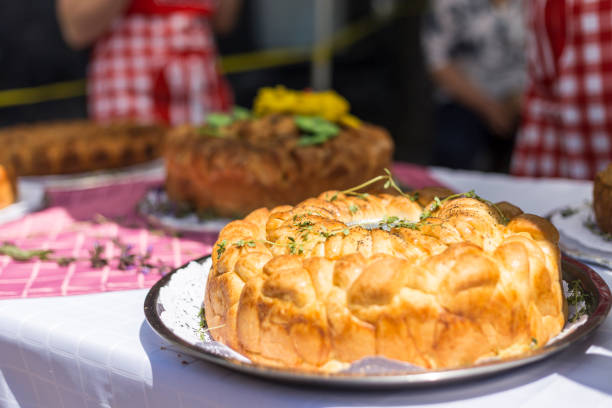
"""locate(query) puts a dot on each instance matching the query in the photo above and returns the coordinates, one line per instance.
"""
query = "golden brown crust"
(258, 163)
(8, 186)
(65, 147)
(308, 287)
(602, 199)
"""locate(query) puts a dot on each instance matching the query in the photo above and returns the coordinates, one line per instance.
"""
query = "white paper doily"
(579, 235)
(577, 223)
(154, 204)
(182, 298)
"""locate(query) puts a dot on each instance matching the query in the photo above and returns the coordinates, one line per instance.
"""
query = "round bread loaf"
(65, 147)
(259, 162)
(602, 199)
(338, 278)
(8, 186)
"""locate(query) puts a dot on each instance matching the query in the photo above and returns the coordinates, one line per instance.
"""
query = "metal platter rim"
(410, 379)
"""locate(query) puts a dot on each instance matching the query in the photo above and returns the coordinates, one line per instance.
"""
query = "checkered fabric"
(567, 128)
(157, 68)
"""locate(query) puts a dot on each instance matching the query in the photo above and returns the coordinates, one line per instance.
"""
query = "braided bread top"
(338, 278)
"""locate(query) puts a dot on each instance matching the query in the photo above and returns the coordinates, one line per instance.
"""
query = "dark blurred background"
(380, 72)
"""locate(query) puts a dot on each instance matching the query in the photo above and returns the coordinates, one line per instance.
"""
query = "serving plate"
(31, 197)
(579, 236)
(152, 170)
(159, 210)
(573, 270)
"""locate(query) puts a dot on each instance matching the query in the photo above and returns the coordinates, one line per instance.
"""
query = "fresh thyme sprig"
(389, 183)
(242, 243)
(427, 212)
(579, 298)
(294, 245)
(24, 255)
(126, 260)
(305, 228)
(396, 222)
(221, 248)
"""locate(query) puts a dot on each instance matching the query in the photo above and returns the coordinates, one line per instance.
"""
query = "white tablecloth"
(98, 351)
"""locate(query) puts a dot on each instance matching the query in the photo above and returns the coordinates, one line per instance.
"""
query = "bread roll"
(309, 287)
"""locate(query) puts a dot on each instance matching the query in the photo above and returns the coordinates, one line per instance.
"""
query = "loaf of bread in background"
(8, 186)
(65, 147)
(259, 162)
(602, 199)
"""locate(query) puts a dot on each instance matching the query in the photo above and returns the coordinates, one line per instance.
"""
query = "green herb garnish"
(568, 212)
(242, 243)
(221, 248)
(203, 324)
(427, 212)
(590, 224)
(578, 297)
(393, 221)
(126, 260)
(24, 255)
(315, 130)
(218, 120)
(240, 113)
(294, 247)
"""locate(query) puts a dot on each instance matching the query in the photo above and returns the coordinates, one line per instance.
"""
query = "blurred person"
(475, 52)
(152, 60)
(567, 127)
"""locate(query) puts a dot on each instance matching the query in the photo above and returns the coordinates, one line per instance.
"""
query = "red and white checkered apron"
(567, 127)
(157, 66)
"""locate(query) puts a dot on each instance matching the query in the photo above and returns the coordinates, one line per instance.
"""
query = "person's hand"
(500, 118)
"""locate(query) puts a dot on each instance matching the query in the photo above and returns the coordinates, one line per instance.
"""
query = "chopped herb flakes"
(590, 224)
(242, 243)
(568, 212)
(579, 299)
(221, 247)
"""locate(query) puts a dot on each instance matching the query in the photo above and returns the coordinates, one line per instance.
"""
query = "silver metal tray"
(572, 270)
(157, 208)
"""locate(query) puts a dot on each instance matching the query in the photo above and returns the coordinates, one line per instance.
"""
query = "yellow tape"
(50, 92)
(230, 64)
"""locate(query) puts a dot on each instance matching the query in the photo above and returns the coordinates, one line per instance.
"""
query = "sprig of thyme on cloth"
(126, 260)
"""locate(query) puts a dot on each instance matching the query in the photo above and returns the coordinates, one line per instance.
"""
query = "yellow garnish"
(350, 121)
(326, 104)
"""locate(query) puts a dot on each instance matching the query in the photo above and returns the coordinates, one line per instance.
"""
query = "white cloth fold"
(98, 351)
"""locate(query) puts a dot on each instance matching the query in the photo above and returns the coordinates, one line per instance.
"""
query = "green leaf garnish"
(221, 248)
(578, 297)
(312, 140)
(218, 120)
(315, 130)
(24, 255)
(242, 243)
(240, 113)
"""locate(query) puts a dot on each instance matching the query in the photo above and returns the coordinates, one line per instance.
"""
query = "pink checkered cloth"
(80, 220)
